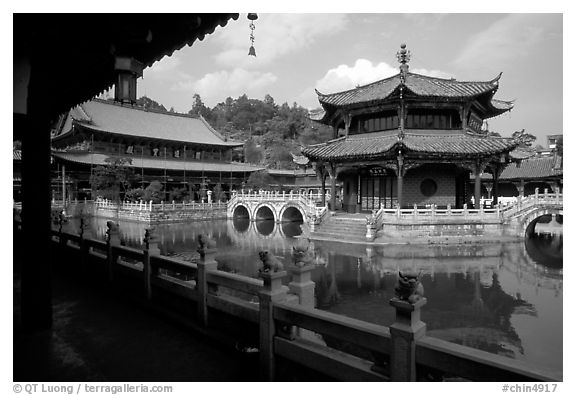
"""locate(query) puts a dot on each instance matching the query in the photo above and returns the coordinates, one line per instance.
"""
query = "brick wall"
(445, 179)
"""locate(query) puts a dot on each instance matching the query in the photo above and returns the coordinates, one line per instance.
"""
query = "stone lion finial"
(205, 244)
(409, 287)
(270, 263)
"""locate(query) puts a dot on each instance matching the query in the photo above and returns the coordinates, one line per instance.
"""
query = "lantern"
(128, 70)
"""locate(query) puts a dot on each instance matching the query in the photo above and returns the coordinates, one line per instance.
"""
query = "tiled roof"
(108, 117)
(537, 167)
(373, 145)
(150, 163)
(418, 84)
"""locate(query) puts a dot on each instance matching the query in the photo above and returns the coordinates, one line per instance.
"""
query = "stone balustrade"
(285, 314)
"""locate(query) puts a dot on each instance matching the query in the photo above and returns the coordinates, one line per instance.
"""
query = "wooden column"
(321, 170)
(36, 262)
(400, 179)
(332, 173)
(495, 179)
(477, 185)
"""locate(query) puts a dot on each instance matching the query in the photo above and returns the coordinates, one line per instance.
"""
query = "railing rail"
(281, 309)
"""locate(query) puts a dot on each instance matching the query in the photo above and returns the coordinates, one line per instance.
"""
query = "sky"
(298, 53)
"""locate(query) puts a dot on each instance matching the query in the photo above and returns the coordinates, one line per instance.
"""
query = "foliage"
(148, 103)
(219, 194)
(560, 146)
(134, 195)
(525, 139)
(259, 180)
(154, 192)
(113, 179)
(179, 194)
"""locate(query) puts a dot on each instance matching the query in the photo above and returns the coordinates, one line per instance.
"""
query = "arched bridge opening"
(241, 212)
(263, 213)
(291, 214)
(543, 222)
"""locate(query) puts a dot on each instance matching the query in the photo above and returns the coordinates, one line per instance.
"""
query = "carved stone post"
(273, 291)
(206, 264)
(407, 328)
(150, 249)
(302, 284)
(112, 240)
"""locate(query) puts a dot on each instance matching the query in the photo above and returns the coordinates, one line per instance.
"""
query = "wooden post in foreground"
(205, 265)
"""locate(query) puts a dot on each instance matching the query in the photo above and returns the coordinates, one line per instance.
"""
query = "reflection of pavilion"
(467, 303)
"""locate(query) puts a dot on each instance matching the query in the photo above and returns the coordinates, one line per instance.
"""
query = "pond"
(504, 298)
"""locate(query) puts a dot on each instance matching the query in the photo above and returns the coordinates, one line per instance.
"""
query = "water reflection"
(504, 298)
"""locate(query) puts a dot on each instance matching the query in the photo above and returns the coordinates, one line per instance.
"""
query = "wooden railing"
(288, 322)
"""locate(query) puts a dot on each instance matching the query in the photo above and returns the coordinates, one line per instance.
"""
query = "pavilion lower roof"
(95, 159)
(385, 144)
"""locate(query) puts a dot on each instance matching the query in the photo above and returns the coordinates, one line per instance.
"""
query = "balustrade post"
(433, 208)
(302, 284)
(406, 329)
(415, 210)
(545, 193)
(272, 292)
(112, 240)
(150, 206)
(449, 210)
(173, 205)
(205, 264)
(536, 191)
(557, 199)
(150, 249)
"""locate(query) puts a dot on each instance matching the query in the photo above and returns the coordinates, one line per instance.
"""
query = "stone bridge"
(280, 207)
(521, 217)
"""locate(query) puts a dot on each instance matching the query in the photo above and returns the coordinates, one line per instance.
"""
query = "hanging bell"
(252, 16)
(251, 51)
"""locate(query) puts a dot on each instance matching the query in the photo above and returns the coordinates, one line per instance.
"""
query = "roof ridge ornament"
(403, 57)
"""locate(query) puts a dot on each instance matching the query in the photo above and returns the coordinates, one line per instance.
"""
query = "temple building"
(176, 149)
(411, 140)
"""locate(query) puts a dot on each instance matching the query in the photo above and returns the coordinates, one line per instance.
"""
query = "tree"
(219, 194)
(148, 103)
(252, 153)
(113, 179)
(259, 180)
(154, 192)
(560, 146)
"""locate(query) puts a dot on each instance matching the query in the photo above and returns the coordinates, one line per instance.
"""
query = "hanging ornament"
(252, 17)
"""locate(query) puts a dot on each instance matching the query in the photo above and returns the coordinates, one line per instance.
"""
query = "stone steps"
(342, 228)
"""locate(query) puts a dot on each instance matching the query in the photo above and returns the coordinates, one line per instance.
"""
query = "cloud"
(275, 35)
(432, 73)
(214, 87)
(344, 77)
(508, 38)
(363, 72)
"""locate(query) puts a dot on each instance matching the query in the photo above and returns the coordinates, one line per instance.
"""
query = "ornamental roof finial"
(403, 58)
